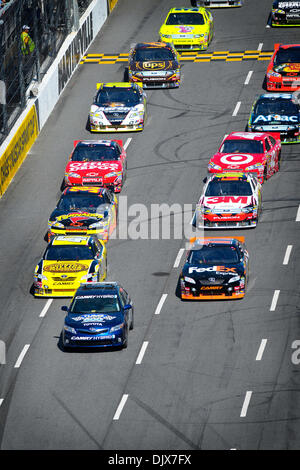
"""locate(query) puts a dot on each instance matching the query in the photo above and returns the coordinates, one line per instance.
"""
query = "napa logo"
(275, 117)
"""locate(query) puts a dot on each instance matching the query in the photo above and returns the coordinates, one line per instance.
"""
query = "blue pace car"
(100, 315)
(277, 113)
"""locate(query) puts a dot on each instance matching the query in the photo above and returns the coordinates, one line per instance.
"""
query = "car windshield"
(242, 146)
(228, 188)
(214, 254)
(80, 202)
(153, 53)
(68, 252)
(117, 96)
(95, 304)
(95, 153)
(286, 56)
(283, 107)
(185, 19)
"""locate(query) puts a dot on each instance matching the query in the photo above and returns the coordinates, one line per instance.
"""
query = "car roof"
(273, 96)
(183, 9)
(92, 288)
(229, 176)
(146, 45)
(74, 240)
(245, 135)
(208, 241)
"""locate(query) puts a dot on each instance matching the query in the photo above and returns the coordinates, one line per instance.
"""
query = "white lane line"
(260, 46)
(178, 258)
(127, 142)
(21, 356)
(261, 349)
(1, 401)
(287, 254)
(142, 352)
(248, 78)
(46, 308)
(298, 215)
(120, 407)
(246, 404)
(160, 304)
(236, 109)
(274, 300)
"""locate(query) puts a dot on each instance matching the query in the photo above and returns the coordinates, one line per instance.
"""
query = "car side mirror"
(127, 307)
(105, 214)
(64, 308)
(205, 179)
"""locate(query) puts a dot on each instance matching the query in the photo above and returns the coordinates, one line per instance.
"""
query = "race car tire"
(126, 75)
(279, 161)
(132, 322)
(125, 342)
(265, 177)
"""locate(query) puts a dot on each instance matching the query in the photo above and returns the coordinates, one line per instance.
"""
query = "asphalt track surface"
(212, 375)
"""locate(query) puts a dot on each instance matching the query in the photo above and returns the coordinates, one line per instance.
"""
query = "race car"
(215, 268)
(285, 13)
(283, 72)
(97, 162)
(66, 263)
(229, 200)
(254, 152)
(216, 3)
(188, 28)
(118, 107)
(100, 315)
(279, 113)
(83, 210)
(155, 64)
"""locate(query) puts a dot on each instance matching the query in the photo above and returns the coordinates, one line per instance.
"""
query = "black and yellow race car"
(285, 13)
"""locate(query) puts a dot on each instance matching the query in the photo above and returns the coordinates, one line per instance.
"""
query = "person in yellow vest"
(27, 44)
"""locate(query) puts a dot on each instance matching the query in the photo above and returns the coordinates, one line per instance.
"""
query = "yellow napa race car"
(188, 28)
(68, 262)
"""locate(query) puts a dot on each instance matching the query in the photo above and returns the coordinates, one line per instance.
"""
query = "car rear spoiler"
(240, 239)
(119, 141)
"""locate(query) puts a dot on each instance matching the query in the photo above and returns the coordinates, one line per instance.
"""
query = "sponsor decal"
(92, 318)
(65, 267)
(219, 269)
(291, 68)
(227, 199)
(288, 4)
(237, 159)
(211, 287)
(153, 65)
(74, 166)
(275, 117)
(185, 29)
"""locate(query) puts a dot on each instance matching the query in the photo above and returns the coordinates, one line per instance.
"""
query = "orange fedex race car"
(283, 72)
(255, 152)
(215, 268)
(97, 163)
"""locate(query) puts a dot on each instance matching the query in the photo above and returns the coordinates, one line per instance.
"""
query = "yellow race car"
(188, 28)
(67, 262)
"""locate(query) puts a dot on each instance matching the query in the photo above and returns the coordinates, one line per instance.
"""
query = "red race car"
(255, 152)
(97, 163)
(283, 72)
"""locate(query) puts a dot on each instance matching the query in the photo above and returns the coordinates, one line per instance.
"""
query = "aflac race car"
(97, 163)
(66, 263)
(256, 152)
(285, 13)
(229, 200)
(215, 268)
(279, 113)
(118, 107)
(84, 211)
(188, 28)
(283, 72)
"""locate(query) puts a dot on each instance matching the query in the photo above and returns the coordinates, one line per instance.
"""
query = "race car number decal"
(236, 159)
(73, 166)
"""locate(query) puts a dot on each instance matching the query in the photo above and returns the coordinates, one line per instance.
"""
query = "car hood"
(154, 65)
(234, 161)
(184, 29)
(78, 218)
(289, 69)
(226, 202)
(98, 320)
(93, 169)
(215, 271)
(271, 119)
(60, 268)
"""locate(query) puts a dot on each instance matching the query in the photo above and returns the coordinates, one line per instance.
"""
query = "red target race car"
(97, 163)
(255, 152)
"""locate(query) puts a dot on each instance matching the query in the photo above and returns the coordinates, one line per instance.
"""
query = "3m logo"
(227, 199)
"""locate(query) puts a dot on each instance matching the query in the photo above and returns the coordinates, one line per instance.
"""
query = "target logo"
(240, 159)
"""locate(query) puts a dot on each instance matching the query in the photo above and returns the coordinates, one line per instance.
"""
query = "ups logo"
(153, 65)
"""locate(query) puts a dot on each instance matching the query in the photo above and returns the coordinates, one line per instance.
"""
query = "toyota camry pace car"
(97, 163)
(215, 268)
(216, 3)
(83, 210)
(188, 28)
(118, 107)
(155, 64)
(285, 13)
(66, 263)
(100, 315)
(283, 72)
(229, 200)
(254, 152)
(279, 113)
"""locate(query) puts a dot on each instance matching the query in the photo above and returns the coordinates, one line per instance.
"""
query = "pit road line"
(142, 352)
(178, 258)
(120, 407)
(248, 78)
(21, 356)
(246, 404)
(46, 308)
(160, 304)
(287, 254)
(261, 349)
(236, 109)
(274, 300)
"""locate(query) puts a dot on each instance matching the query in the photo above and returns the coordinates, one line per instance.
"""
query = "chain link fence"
(24, 59)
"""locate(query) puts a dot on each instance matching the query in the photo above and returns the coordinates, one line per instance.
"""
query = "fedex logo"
(221, 269)
(227, 199)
